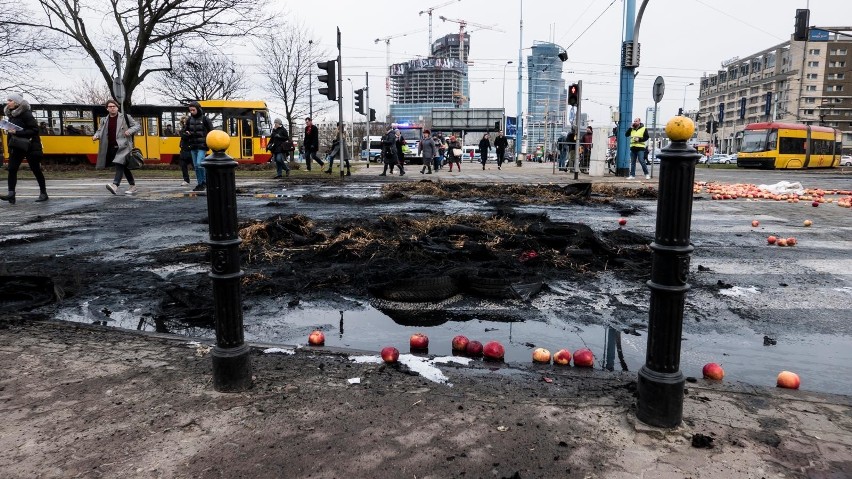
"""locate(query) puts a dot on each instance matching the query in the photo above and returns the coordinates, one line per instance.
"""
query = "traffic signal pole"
(577, 130)
(367, 109)
(340, 104)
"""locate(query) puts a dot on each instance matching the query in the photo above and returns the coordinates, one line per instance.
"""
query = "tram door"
(150, 139)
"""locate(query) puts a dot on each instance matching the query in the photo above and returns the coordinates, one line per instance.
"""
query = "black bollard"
(660, 384)
(231, 363)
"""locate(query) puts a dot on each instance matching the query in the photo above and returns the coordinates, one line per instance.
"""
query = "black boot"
(384, 172)
(41, 197)
(10, 197)
(348, 173)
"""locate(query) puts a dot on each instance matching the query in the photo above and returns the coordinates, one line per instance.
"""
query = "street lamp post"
(352, 131)
(310, 86)
(504, 85)
(683, 108)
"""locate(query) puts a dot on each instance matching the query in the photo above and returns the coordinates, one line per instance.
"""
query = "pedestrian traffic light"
(359, 101)
(574, 94)
(800, 34)
(372, 114)
(330, 79)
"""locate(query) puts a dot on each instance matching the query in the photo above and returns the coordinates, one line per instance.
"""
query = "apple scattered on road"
(493, 350)
(390, 354)
(713, 371)
(788, 380)
(541, 355)
(584, 358)
(460, 343)
(562, 357)
(316, 338)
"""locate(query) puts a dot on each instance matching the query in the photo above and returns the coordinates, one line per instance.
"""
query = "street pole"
(352, 131)
(504, 86)
(339, 102)
(310, 85)
(367, 109)
(519, 125)
(683, 108)
(660, 382)
(577, 130)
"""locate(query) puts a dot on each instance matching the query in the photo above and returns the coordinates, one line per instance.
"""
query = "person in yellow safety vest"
(638, 135)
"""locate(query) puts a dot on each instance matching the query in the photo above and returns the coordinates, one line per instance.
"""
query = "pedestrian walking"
(500, 145)
(280, 145)
(115, 137)
(428, 151)
(185, 157)
(388, 151)
(484, 148)
(401, 145)
(440, 149)
(23, 141)
(311, 144)
(638, 135)
(338, 147)
(571, 140)
(454, 150)
(197, 128)
(562, 148)
(587, 147)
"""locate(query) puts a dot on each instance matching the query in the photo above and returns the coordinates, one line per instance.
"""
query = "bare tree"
(146, 33)
(19, 46)
(90, 91)
(289, 60)
(202, 76)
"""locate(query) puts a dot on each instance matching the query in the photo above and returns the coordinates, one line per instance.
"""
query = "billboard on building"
(427, 64)
(468, 119)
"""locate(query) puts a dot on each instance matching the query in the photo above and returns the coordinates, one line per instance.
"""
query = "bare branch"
(203, 76)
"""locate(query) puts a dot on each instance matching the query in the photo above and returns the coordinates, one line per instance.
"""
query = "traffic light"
(803, 15)
(359, 101)
(573, 94)
(330, 79)
(372, 114)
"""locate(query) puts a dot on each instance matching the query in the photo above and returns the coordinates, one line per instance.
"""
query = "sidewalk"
(83, 401)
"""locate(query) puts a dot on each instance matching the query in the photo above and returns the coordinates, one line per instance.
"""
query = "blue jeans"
(281, 163)
(637, 155)
(563, 158)
(197, 158)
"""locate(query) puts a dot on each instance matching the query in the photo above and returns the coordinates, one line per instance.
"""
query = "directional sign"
(659, 89)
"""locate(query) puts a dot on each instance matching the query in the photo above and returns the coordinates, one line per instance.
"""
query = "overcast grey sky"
(680, 39)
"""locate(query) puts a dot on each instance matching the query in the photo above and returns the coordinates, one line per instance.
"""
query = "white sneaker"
(647, 177)
(112, 188)
(631, 177)
(131, 191)
(184, 184)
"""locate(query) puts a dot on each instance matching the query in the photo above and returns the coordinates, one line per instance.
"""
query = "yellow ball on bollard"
(218, 140)
(680, 128)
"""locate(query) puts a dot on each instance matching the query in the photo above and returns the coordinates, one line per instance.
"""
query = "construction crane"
(428, 11)
(462, 25)
(387, 57)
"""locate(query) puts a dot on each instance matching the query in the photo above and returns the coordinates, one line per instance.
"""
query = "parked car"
(721, 159)
(846, 160)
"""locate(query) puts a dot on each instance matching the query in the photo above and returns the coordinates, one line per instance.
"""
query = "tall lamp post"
(352, 131)
(683, 108)
(310, 86)
(504, 85)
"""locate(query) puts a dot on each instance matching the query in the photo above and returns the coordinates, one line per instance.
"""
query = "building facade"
(547, 100)
(440, 81)
(797, 81)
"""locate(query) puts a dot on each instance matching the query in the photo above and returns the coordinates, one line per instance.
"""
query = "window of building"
(809, 100)
(809, 112)
(836, 76)
(813, 64)
(836, 64)
(810, 87)
(813, 51)
(811, 76)
(837, 51)
(834, 88)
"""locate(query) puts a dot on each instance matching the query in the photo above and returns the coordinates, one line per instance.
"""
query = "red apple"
(541, 355)
(771, 240)
(788, 380)
(474, 349)
(782, 242)
(562, 357)
(791, 241)
(316, 338)
(390, 354)
(755, 223)
(815, 204)
(460, 343)
(713, 371)
(419, 341)
(584, 358)
(493, 350)
(622, 221)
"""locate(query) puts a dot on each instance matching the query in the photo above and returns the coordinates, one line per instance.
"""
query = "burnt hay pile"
(390, 256)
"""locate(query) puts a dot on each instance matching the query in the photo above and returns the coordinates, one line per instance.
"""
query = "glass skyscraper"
(547, 98)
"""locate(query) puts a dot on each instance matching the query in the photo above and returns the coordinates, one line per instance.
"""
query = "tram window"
(153, 128)
(247, 127)
(792, 146)
(46, 121)
(216, 120)
(232, 127)
(263, 126)
(76, 122)
(170, 127)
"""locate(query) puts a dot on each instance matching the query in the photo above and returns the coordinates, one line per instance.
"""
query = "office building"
(547, 105)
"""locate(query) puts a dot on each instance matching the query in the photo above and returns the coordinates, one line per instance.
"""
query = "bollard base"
(231, 369)
(623, 172)
(660, 401)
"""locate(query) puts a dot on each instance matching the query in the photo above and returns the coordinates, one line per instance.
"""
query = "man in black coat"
(311, 144)
(500, 144)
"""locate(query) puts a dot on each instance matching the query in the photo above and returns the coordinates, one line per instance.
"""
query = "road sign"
(659, 89)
